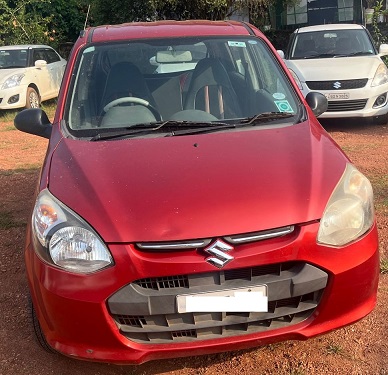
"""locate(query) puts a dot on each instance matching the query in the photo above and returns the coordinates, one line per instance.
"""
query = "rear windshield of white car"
(331, 43)
(119, 85)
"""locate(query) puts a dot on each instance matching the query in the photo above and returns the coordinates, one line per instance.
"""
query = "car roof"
(24, 46)
(149, 30)
(329, 27)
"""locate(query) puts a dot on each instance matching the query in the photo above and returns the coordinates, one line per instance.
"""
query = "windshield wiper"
(261, 118)
(148, 128)
(320, 56)
(190, 127)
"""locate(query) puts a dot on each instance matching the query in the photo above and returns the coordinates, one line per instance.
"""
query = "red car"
(190, 202)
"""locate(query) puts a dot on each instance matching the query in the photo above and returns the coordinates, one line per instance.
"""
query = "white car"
(29, 75)
(341, 62)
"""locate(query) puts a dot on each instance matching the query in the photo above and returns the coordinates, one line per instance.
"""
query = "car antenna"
(87, 16)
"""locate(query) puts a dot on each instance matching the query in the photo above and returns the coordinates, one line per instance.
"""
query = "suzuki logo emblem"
(337, 85)
(218, 251)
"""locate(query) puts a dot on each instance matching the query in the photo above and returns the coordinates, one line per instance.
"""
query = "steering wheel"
(134, 100)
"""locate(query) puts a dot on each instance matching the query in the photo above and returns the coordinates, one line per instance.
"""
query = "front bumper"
(7, 97)
(90, 317)
(359, 103)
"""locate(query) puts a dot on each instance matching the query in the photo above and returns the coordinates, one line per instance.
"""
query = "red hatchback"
(190, 202)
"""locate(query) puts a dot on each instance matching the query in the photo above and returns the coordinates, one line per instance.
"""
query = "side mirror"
(383, 50)
(33, 121)
(40, 63)
(281, 53)
(317, 102)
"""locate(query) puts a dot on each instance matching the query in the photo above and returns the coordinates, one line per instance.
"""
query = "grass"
(334, 349)
(7, 222)
(384, 266)
(9, 115)
(31, 169)
(8, 128)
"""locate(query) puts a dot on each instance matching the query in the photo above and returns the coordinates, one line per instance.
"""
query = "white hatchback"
(341, 62)
(29, 74)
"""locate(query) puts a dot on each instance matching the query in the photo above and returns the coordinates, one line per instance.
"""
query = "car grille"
(346, 105)
(331, 85)
(146, 311)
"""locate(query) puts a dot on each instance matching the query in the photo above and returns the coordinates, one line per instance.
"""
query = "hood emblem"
(218, 251)
(337, 85)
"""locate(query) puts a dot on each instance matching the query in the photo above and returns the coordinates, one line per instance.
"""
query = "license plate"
(253, 299)
(337, 95)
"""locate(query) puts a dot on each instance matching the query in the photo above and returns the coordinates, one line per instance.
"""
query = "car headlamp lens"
(296, 79)
(13, 81)
(381, 76)
(65, 239)
(349, 212)
(78, 250)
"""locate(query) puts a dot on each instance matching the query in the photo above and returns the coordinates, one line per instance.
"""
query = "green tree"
(21, 23)
(41, 21)
(117, 11)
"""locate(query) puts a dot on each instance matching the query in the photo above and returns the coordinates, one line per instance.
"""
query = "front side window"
(186, 80)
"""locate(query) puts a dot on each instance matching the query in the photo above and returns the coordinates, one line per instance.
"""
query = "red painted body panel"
(159, 189)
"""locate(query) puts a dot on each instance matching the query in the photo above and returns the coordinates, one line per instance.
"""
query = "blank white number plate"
(253, 299)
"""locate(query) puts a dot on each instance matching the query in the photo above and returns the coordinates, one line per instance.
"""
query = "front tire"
(39, 336)
(32, 98)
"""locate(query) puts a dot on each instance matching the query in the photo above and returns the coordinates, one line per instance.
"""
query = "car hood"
(198, 186)
(5, 73)
(339, 68)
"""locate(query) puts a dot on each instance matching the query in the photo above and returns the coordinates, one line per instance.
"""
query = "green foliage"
(117, 11)
(40, 21)
(377, 36)
(20, 23)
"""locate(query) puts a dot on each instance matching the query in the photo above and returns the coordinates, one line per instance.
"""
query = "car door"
(42, 76)
(56, 67)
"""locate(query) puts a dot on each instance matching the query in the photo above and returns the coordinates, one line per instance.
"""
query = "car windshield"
(333, 43)
(13, 58)
(190, 81)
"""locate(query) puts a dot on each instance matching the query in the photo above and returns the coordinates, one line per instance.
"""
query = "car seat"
(125, 80)
(211, 90)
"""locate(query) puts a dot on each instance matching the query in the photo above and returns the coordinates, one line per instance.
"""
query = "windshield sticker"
(236, 44)
(278, 95)
(252, 41)
(89, 49)
(284, 106)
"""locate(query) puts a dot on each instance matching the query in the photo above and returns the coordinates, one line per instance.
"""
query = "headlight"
(63, 238)
(13, 81)
(381, 76)
(349, 212)
(296, 78)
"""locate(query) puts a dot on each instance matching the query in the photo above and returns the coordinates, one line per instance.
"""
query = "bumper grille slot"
(164, 282)
(345, 85)
(217, 325)
(346, 105)
(147, 313)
